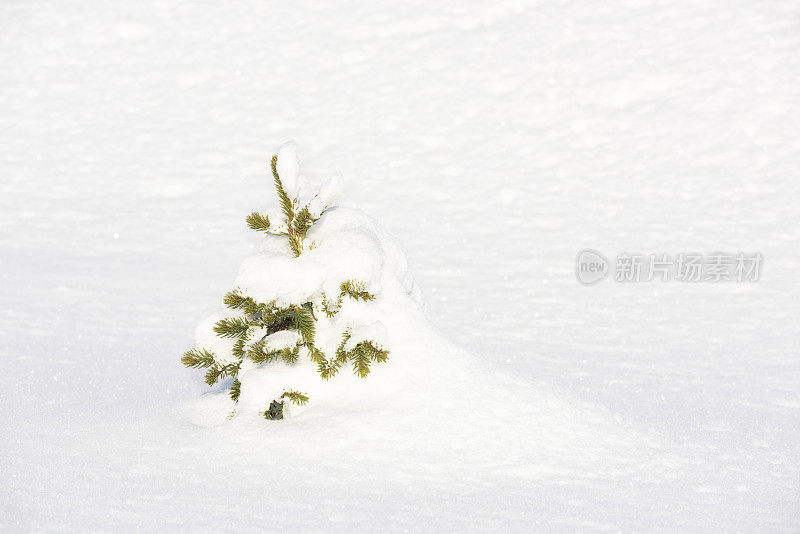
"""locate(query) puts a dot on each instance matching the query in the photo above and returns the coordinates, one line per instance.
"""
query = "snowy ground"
(495, 140)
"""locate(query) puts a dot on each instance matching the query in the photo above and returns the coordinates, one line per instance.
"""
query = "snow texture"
(281, 340)
(494, 141)
(328, 195)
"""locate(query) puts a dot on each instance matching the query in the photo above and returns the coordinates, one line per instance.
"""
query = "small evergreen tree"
(267, 332)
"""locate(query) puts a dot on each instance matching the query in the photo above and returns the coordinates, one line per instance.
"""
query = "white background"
(495, 140)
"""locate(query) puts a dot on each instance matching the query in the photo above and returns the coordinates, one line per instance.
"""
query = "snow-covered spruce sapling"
(283, 329)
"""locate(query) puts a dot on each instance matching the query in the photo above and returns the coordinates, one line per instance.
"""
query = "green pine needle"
(283, 198)
(196, 358)
(234, 300)
(236, 390)
(316, 356)
(303, 222)
(360, 361)
(296, 397)
(231, 327)
(291, 356)
(330, 308)
(258, 354)
(304, 322)
(356, 290)
(373, 352)
(295, 243)
(238, 349)
(251, 307)
(258, 221)
(328, 370)
(217, 372)
(274, 412)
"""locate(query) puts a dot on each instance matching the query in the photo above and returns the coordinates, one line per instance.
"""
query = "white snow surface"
(494, 141)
